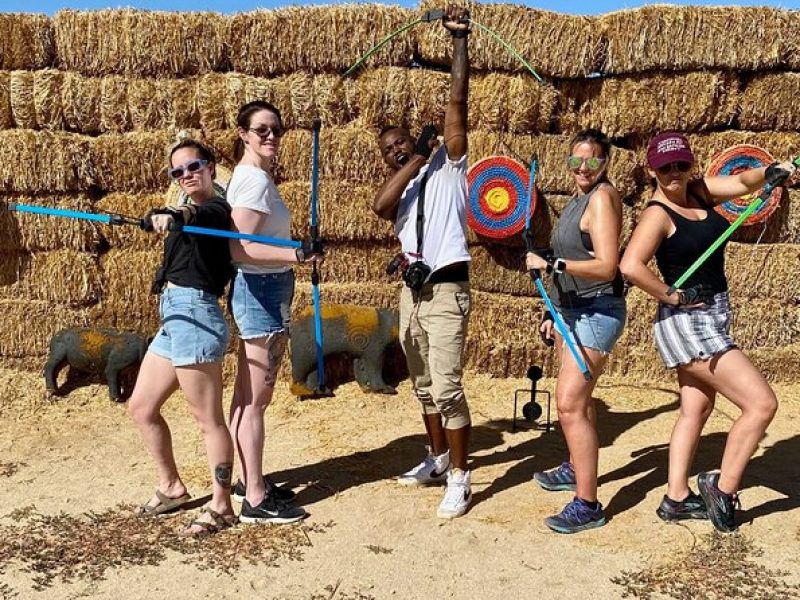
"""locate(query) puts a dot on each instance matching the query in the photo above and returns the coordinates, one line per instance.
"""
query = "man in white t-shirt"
(433, 316)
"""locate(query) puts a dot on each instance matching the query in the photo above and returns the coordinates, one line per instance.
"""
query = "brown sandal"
(165, 505)
(220, 522)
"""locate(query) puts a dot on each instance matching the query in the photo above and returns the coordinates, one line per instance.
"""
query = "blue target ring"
(497, 192)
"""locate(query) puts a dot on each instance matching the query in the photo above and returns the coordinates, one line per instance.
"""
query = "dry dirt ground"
(67, 466)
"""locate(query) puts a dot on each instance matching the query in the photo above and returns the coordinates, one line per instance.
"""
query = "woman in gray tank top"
(587, 290)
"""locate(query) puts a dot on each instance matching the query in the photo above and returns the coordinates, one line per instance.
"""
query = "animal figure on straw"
(360, 332)
(106, 352)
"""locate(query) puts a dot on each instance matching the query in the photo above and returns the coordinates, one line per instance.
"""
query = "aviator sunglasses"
(192, 166)
(592, 163)
(681, 166)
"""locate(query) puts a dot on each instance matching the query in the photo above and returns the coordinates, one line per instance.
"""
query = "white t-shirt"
(445, 228)
(251, 187)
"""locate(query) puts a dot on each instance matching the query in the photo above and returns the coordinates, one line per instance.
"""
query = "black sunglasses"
(681, 166)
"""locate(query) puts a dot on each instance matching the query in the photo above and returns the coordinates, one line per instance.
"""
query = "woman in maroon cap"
(692, 329)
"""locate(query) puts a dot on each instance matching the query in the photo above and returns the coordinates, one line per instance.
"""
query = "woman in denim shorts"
(587, 289)
(260, 300)
(187, 351)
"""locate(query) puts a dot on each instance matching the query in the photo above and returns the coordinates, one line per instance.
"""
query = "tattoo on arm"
(223, 474)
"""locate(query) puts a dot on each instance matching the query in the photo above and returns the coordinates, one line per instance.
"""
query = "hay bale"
(63, 277)
(114, 114)
(81, 98)
(211, 94)
(768, 102)
(412, 98)
(219, 96)
(335, 100)
(25, 168)
(131, 162)
(127, 277)
(139, 42)
(21, 94)
(37, 233)
(350, 153)
(29, 325)
(6, 115)
(779, 365)
(221, 141)
(143, 319)
(276, 42)
(301, 90)
(791, 234)
(781, 145)
(26, 41)
(134, 205)
(555, 44)
(162, 104)
(689, 38)
(345, 211)
(384, 96)
(649, 102)
(551, 150)
(47, 98)
(764, 323)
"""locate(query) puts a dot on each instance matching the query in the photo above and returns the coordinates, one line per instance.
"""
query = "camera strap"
(421, 213)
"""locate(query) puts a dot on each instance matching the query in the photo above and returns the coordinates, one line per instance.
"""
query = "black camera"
(416, 275)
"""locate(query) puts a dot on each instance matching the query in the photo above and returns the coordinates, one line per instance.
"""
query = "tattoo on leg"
(276, 346)
(223, 473)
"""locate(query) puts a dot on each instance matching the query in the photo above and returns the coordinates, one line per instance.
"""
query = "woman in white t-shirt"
(260, 301)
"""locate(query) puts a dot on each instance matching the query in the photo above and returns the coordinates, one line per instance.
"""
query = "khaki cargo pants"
(433, 330)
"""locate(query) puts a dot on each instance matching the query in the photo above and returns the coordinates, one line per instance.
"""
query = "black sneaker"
(271, 510)
(721, 507)
(691, 507)
(283, 494)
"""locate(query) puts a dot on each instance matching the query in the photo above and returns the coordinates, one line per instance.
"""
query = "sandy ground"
(373, 538)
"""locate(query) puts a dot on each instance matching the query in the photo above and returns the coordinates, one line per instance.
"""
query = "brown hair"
(243, 118)
(203, 150)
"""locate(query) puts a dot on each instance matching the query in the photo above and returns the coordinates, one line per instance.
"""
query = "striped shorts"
(684, 335)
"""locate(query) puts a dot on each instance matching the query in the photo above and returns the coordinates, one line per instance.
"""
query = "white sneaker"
(433, 469)
(457, 496)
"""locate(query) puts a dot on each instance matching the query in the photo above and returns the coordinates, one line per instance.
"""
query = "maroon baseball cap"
(668, 147)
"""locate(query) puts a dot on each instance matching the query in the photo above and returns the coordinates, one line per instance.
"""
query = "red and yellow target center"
(497, 200)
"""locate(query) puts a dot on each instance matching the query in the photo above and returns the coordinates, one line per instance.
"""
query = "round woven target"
(734, 160)
(175, 196)
(497, 189)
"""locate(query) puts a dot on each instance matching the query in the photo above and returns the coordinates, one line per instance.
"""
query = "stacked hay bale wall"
(90, 130)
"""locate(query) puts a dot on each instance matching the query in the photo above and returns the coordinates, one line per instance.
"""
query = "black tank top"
(691, 238)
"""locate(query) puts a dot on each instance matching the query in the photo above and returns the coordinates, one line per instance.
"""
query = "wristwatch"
(559, 265)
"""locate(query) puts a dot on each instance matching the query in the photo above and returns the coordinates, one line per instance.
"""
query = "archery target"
(497, 190)
(735, 160)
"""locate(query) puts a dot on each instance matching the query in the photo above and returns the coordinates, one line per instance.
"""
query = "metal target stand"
(531, 410)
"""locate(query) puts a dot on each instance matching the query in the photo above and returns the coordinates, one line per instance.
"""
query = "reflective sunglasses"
(681, 166)
(264, 132)
(592, 163)
(193, 166)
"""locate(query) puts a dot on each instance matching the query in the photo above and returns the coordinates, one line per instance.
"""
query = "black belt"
(451, 273)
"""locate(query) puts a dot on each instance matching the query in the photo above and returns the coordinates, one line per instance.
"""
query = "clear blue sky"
(229, 6)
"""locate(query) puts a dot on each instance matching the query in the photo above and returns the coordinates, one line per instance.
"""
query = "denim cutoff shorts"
(261, 303)
(598, 324)
(193, 329)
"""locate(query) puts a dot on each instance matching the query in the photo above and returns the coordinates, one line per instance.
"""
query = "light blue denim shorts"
(598, 324)
(261, 304)
(193, 329)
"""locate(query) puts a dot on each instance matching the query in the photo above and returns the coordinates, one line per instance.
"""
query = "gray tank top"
(569, 242)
